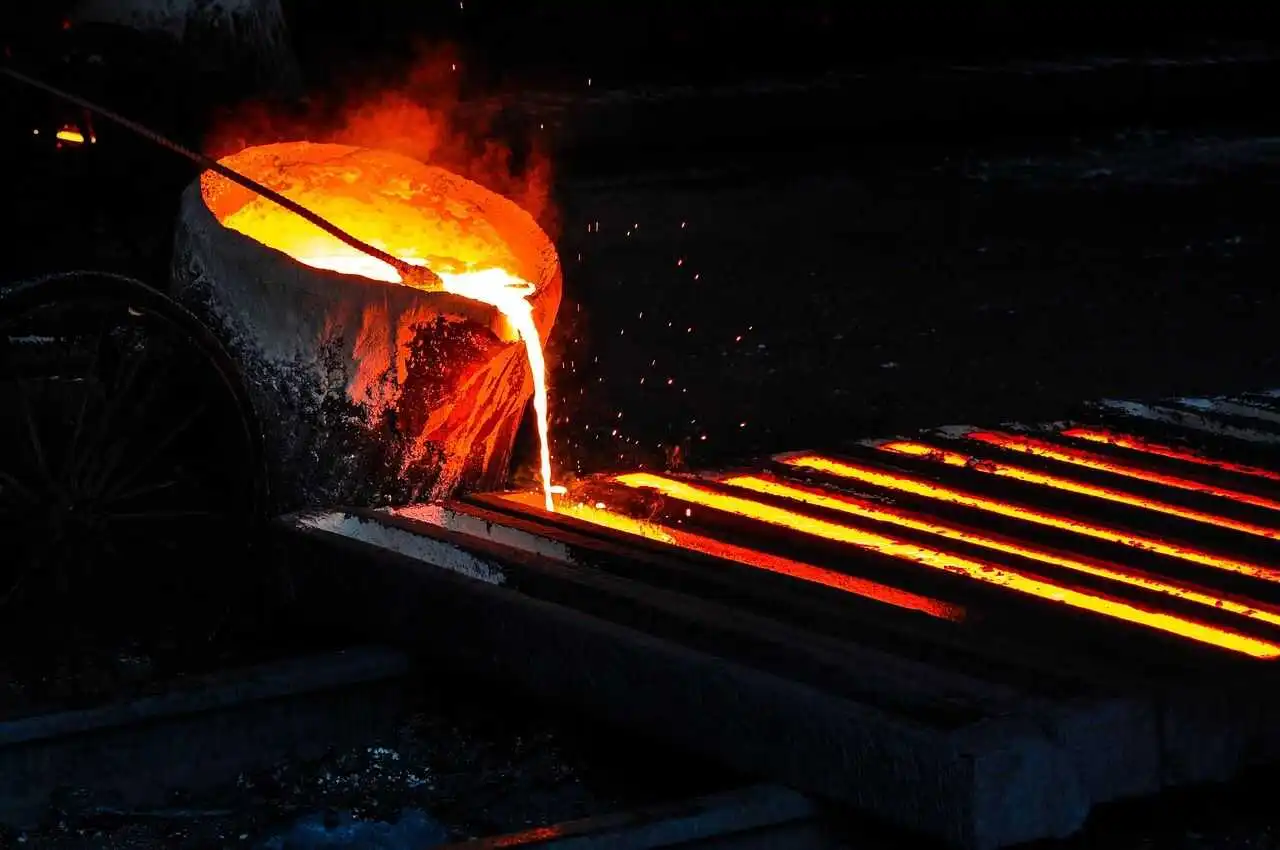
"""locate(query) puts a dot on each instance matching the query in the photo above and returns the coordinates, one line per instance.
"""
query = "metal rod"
(417, 276)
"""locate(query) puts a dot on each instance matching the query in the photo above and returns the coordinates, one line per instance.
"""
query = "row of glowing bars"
(750, 508)
(1089, 460)
(1124, 441)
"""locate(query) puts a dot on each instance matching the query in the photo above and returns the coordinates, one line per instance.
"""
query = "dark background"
(681, 42)
(662, 38)
(787, 225)
(911, 213)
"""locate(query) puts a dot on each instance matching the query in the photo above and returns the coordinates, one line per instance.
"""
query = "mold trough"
(978, 634)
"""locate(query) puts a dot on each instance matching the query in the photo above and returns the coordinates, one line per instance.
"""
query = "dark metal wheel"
(130, 457)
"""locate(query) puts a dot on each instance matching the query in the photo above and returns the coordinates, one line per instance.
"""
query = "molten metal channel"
(1136, 444)
(1100, 463)
(918, 487)
(600, 515)
(1018, 473)
(1112, 572)
(937, 559)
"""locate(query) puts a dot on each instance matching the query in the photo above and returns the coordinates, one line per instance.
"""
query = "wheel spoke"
(8, 481)
(164, 516)
(110, 451)
(70, 461)
(161, 445)
(137, 492)
(32, 429)
(104, 454)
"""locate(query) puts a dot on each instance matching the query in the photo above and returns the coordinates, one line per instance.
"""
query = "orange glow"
(1089, 460)
(1017, 473)
(404, 208)
(947, 562)
(1112, 572)
(603, 516)
(1124, 441)
(597, 514)
(71, 134)
(916, 487)
(537, 835)
(618, 522)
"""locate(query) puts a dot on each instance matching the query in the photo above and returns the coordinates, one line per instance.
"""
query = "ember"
(402, 207)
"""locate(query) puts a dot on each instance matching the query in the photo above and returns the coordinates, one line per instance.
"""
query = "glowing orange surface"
(603, 516)
(1124, 441)
(1101, 463)
(904, 519)
(72, 135)
(945, 561)
(597, 514)
(820, 575)
(1017, 473)
(537, 835)
(376, 196)
(928, 489)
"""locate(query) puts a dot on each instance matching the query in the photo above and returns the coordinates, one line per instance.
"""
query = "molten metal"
(1124, 441)
(598, 514)
(601, 515)
(375, 200)
(1017, 473)
(1113, 572)
(945, 561)
(1101, 463)
(917, 487)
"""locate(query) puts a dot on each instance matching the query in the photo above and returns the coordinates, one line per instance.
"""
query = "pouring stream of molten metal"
(508, 294)
(500, 289)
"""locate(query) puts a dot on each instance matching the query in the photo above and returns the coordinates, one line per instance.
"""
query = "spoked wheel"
(130, 460)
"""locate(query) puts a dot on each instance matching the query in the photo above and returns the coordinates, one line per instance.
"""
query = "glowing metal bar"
(600, 515)
(71, 134)
(1124, 441)
(820, 575)
(1017, 473)
(917, 487)
(1101, 463)
(947, 562)
(871, 510)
